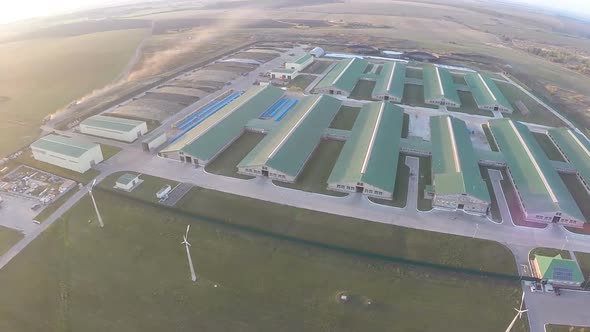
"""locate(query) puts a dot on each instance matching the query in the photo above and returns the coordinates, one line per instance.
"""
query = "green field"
(494, 209)
(490, 137)
(8, 238)
(550, 252)
(301, 82)
(538, 114)
(406, 126)
(400, 194)
(109, 151)
(425, 178)
(345, 118)
(414, 96)
(226, 162)
(547, 145)
(469, 106)
(363, 90)
(33, 86)
(133, 274)
(314, 176)
(584, 262)
(579, 193)
(566, 328)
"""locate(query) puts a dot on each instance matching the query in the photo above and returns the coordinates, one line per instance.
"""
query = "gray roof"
(539, 185)
(63, 145)
(454, 163)
(112, 123)
(371, 153)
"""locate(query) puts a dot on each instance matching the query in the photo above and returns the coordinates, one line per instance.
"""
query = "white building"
(128, 181)
(67, 152)
(300, 63)
(284, 74)
(120, 129)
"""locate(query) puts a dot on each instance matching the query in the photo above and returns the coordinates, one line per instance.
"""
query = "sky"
(14, 10)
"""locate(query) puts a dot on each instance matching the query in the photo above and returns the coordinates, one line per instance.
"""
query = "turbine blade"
(522, 300)
(188, 227)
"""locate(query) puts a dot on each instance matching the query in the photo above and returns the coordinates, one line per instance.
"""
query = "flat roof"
(231, 122)
(344, 75)
(576, 149)
(454, 163)
(438, 84)
(112, 123)
(287, 147)
(127, 178)
(371, 153)
(63, 145)
(232, 117)
(485, 91)
(302, 59)
(540, 187)
(391, 80)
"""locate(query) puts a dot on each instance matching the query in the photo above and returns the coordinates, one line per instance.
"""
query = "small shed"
(127, 181)
(317, 52)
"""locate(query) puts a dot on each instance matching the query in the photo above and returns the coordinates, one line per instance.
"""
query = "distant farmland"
(40, 76)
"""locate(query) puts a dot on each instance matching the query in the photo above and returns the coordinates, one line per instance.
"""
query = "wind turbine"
(519, 313)
(94, 202)
(188, 254)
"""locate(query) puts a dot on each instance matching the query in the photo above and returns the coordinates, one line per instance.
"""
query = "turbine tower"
(519, 313)
(94, 202)
(188, 254)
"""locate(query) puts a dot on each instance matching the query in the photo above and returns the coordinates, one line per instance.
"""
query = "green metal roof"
(112, 123)
(391, 81)
(576, 149)
(126, 178)
(371, 153)
(220, 128)
(438, 84)
(548, 266)
(344, 75)
(287, 147)
(63, 145)
(454, 163)
(302, 59)
(539, 185)
(485, 91)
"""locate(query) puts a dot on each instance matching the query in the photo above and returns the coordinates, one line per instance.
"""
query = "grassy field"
(32, 87)
(402, 178)
(538, 113)
(488, 133)
(424, 179)
(109, 151)
(494, 209)
(8, 237)
(133, 275)
(550, 252)
(584, 262)
(301, 82)
(414, 96)
(566, 328)
(406, 126)
(579, 193)
(27, 159)
(468, 105)
(314, 176)
(547, 145)
(363, 90)
(345, 118)
(226, 162)
(317, 67)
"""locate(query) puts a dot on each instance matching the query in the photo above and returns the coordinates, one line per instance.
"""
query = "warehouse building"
(343, 77)
(576, 150)
(439, 87)
(120, 129)
(486, 93)
(300, 63)
(391, 82)
(204, 142)
(67, 152)
(558, 271)
(282, 154)
(369, 159)
(542, 195)
(457, 182)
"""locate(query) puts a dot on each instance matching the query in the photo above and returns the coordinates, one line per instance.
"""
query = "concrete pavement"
(412, 201)
(495, 178)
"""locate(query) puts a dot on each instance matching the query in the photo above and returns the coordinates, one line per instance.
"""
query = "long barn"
(439, 87)
(486, 94)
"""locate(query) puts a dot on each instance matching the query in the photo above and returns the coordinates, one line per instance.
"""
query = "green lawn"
(133, 275)
(547, 145)
(566, 328)
(226, 162)
(584, 262)
(494, 209)
(43, 215)
(425, 178)
(406, 126)
(490, 137)
(27, 159)
(550, 252)
(345, 118)
(70, 68)
(414, 96)
(402, 178)
(538, 113)
(301, 82)
(314, 176)
(469, 106)
(108, 151)
(363, 90)
(8, 238)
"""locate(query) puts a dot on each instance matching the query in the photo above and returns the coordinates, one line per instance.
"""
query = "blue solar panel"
(560, 273)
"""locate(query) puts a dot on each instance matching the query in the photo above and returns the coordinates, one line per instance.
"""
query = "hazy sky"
(13, 10)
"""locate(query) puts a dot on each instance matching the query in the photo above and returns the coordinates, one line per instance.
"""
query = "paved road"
(570, 308)
(412, 201)
(495, 178)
